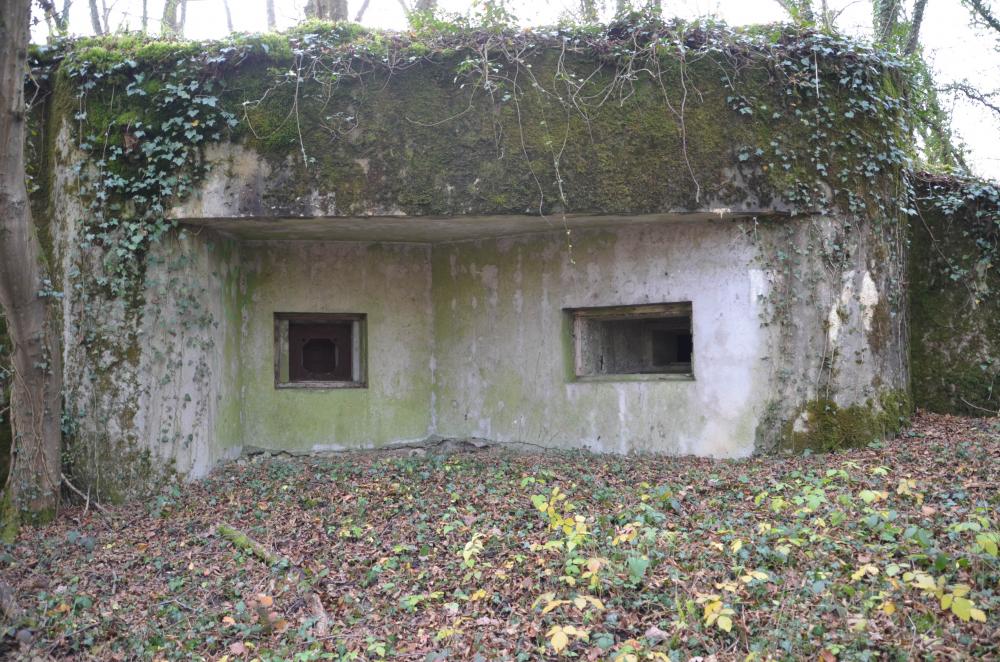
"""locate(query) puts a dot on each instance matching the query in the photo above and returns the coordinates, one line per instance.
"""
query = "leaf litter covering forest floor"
(888, 551)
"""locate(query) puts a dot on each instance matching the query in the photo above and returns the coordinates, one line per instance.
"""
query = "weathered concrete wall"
(391, 283)
(504, 362)
(150, 377)
(470, 338)
(956, 321)
(838, 332)
(188, 406)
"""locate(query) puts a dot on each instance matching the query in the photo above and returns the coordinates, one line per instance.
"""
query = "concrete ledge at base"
(639, 377)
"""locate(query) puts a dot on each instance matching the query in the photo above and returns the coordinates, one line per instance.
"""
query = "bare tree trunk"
(588, 11)
(327, 10)
(229, 15)
(57, 20)
(106, 16)
(913, 38)
(169, 25)
(425, 5)
(184, 17)
(145, 15)
(271, 22)
(361, 11)
(885, 19)
(95, 18)
(32, 486)
(62, 23)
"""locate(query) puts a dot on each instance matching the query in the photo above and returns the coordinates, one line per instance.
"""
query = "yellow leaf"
(444, 633)
(725, 623)
(552, 605)
(732, 587)
(265, 600)
(867, 568)
(889, 608)
(736, 546)
(558, 638)
(597, 604)
(961, 607)
(579, 602)
(977, 615)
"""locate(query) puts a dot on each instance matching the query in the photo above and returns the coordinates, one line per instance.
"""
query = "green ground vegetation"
(888, 551)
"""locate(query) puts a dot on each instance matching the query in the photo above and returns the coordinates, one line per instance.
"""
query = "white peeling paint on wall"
(868, 298)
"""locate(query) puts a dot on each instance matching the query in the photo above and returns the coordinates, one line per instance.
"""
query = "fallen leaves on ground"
(889, 551)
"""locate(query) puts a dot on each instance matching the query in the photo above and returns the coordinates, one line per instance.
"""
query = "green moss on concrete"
(824, 426)
(394, 123)
(6, 433)
(955, 338)
(417, 143)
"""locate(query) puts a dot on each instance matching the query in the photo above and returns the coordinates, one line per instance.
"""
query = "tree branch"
(989, 99)
(984, 13)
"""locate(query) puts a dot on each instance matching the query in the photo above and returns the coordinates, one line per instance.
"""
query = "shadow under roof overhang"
(428, 229)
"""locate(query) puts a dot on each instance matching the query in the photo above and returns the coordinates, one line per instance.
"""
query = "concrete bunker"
(433, 268)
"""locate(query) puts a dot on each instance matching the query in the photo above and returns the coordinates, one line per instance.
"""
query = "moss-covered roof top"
(630, 118)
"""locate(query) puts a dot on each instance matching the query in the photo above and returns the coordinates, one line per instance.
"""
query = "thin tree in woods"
(588, 11)
(170, 24)
(889, 27)
(271, 21)
(32, 485)
(327, 10)
(229, 15)
(895, 26)
(57, 20)
(419, 7)
(95, 19)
